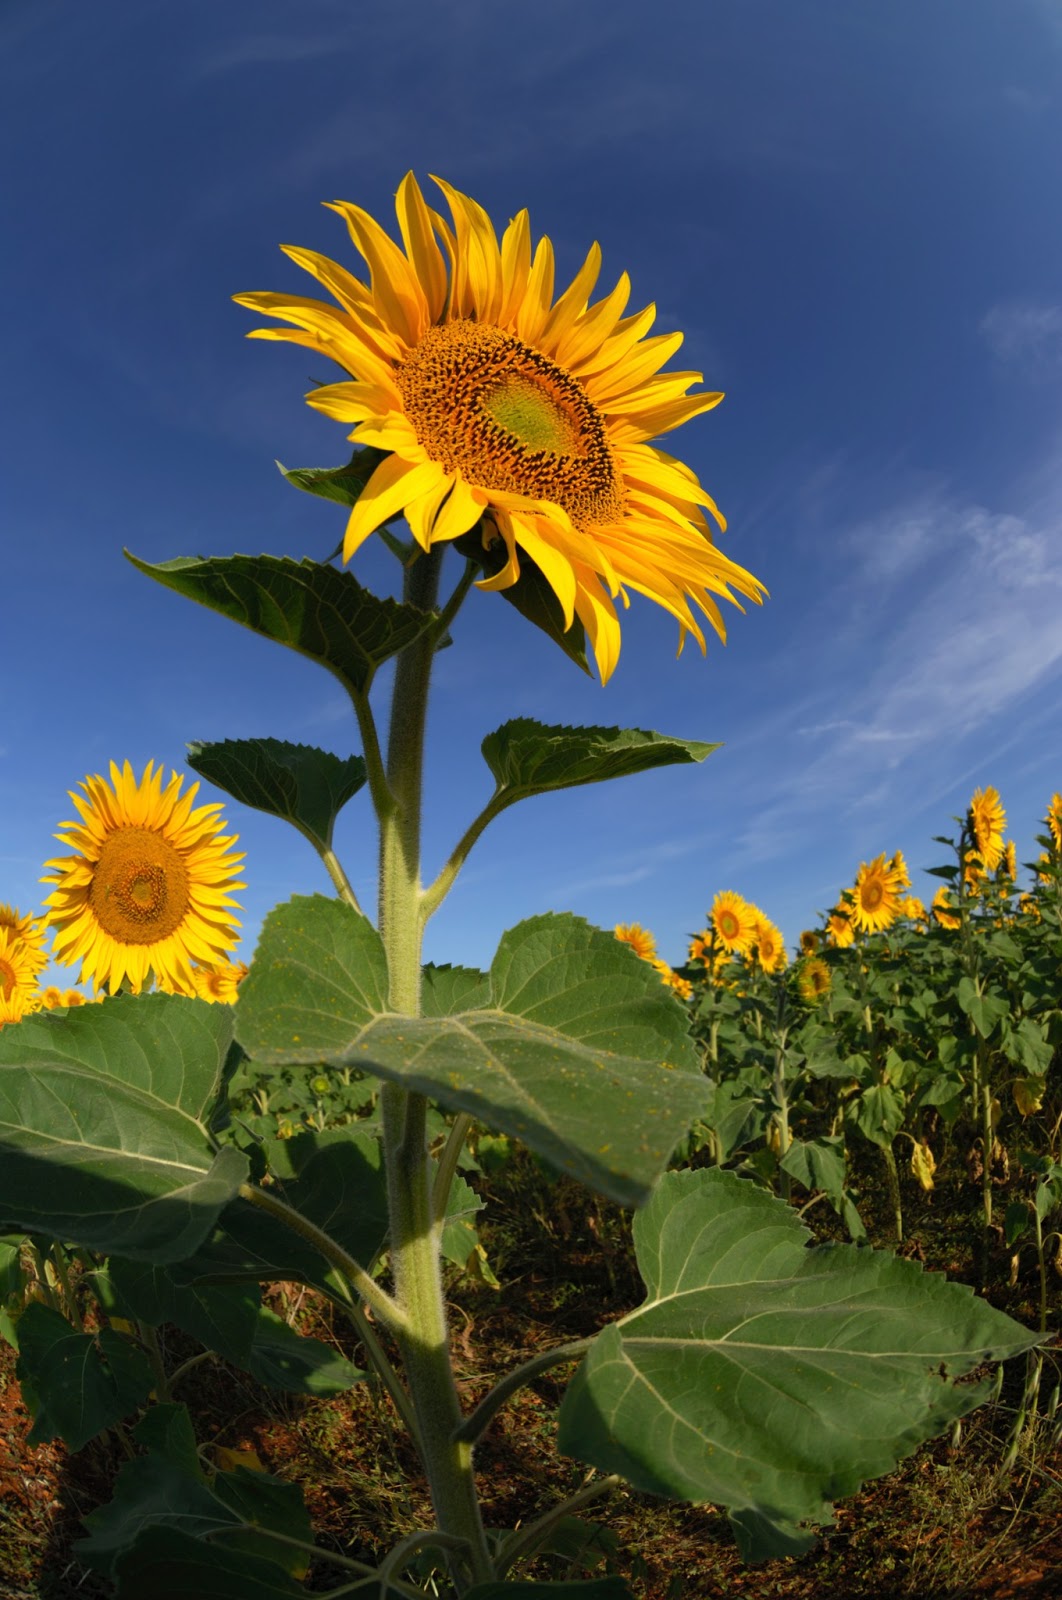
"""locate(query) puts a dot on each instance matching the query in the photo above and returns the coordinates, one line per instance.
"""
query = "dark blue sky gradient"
(852, 212)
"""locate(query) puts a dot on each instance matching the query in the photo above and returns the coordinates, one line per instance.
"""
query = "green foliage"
(765, 1375)
(306, 605)
(570, 1041)
(528, 757)
(105, 1112)
(305, 786)
(75, 1384)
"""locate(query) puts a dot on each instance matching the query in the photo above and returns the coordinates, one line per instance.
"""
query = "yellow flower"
(498, 407)
(875, 896)
(912, 907)
(640, 939)
(29, 932)
(681, 986)
(898, 868)
(73, 997)
(51, 997)
(149, 889)
(769, 946)
(809, 942)
(943, 908)
(18, 976)
(987, 821)
(1008, 866)
(814, 980)
(839, 929)
(973, 872)
(1028, 907)
(1054, 819)
(734, 921)
(219, 982)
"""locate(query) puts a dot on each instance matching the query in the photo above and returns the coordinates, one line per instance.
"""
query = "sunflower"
(498, 407)
(29, 932)
(1028, 907)
(18, 975)
(149, 888)
(914, 908)
(987, 821)
(1008, 866)
(809, 942)
(682, 987)
(219, 983)
(839, 929)
(898, 868)
(769, 947)
(814, 979)
(701, 948)
(1054, 819)
(944, 908)
(640, 939)
(875, 896)
(734, 921)
(974, 871)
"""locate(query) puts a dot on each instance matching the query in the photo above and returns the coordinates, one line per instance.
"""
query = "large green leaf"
(104, 1118)
(284, 1359)
(767, 1376)
(77, 1384)
(164, 1563)
(221, 1316)
(159, 1492)
(581, 1053)
(306, 786)
(307, 605)
(528, 757)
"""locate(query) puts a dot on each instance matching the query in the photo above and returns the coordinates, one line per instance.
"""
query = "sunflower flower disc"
(149, 888)
(876, 895)
(500, 407)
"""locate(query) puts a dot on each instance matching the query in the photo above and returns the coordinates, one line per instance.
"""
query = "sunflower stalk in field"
(516, 426)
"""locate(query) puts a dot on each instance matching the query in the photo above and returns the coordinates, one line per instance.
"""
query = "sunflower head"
(148, 889)
(898, 868)
(1008, 866)
(505, 410)
(219, 982)
(987, 820)
(768, 947)
(673, 980)
(640, 939)
(814, 979)
(875, 896)
(18, 975)
(945, 909)
(1054, 819)
(29, 933)
(913, 908)
(734, 922)
(809, 942)
(839, 928)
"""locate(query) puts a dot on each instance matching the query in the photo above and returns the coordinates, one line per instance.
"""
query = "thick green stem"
(891, 1172)
(415, 1234)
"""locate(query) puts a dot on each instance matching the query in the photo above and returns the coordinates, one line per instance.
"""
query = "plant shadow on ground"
(952, 1521)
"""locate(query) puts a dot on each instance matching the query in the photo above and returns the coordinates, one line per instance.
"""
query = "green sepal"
(77, 1384)
(528, 757)
(342, 485)
(581, 1053)
(307, 605)
(768, 1376)
(306, 786)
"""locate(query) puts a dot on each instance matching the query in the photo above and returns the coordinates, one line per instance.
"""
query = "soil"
(957, 1519)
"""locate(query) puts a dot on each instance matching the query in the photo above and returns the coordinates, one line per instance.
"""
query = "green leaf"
(284, 1359)
(77, 1384)
(165, 1564)
(167, 1430)
(459, 1236)
(532, 595)
(222, 1317)
(343, 485)
(447, 990)
(760, 1539)
(306, 786)
(765, 1375)
(581, 1053)
(983, 1010)
(878, 1113)
(528, 757)
(11, 1283)
(104, 1118)
(817, 1164)
(306, 605)
(154, 1495)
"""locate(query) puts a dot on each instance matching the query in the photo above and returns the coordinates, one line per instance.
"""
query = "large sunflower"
(875, 900)
(149, 889)
(497, 405)
(18, 977)
(987, 821)
(734, 921)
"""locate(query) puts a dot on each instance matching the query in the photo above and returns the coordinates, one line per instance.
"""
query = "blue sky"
(850, 210)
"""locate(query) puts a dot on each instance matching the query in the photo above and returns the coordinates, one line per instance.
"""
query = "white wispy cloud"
(1026, 333)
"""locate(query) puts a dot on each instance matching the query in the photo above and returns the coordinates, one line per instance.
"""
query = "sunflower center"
(873, 894)
(139, 889)
(728, 925)
(507, 417)
(8, 978)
